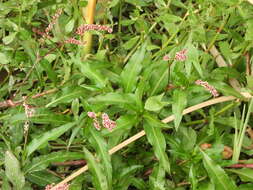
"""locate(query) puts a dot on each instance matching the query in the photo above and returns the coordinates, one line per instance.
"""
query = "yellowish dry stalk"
(221, 63)
(88, 15)
(250, 1)
(142, 133)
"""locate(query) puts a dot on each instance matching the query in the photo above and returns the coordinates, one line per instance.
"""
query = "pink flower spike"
(92, 115)
(107, 123)
(74, 41)
(166, 58)
(58, 187)
(181, 55)
(208, 87)
(86, 27)
(96, 124)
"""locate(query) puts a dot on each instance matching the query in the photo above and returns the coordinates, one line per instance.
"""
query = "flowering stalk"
(179, 56)
(87, 27)
(64, 186)
(106, 121)
(53, 22)
(74, 41)
(208, 87)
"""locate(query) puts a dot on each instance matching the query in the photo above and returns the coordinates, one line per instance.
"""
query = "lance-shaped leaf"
(246, 174)
(179, 102)
(13, 171)
(90, 72)
(102, 151)
(119, 99)
(217, 174)
(130, 72)
(157, 140)
(48, 136)
(69, 95)
(42, 162)
(99, 179)
(155, 103)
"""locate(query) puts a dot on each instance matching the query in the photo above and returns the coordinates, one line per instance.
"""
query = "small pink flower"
(53, 22)
(58, 187)
(86, 27)
(181, 55)
(74, 41)
(96, 124)
(208, 87)
(107, 123)
(166, 58)
(92, 115)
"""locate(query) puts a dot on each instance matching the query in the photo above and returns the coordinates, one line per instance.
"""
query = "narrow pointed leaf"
(157, 140)
(48, 136)
(130, 72)
(13, 171)
(178, 105)
(102, 151)
(217, 174)
(99, 179)
(42, 162)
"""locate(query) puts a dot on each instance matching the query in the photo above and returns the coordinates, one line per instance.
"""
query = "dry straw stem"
(250, 1)
(88, 16)
(221, 63)
(142, 133)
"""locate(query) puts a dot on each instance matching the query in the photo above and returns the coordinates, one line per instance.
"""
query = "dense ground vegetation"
(161, 57)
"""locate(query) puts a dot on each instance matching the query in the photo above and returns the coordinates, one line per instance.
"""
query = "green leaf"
(152, 120)
(192, 177)
(114, 99)
(102, 150)
(13, 171)
(193, 57)
(129, 75)
(70, 25)
(225, 89)
(99, 179)
(217, 174)
(179, 102)
(42, 178)
(159, 78)
(245, 174)
(42, 116)
(127, 172)
(76, 93)
(91, 73)
(130, 43)
(48, 136)
(8, 39)
(157, 178)
(42, 162)
(157, 140)
(155, 103)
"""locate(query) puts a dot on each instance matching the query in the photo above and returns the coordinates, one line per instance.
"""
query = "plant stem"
(88, 15)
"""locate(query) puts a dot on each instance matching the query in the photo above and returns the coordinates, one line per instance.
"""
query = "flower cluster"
(86, 27)
(29, 112)
(208, 87)
(53, 22)
(74, 41)
(106, 121)
(58, 187)
(179, 56)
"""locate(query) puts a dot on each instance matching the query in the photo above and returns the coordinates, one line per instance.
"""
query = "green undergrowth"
(126, 77)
